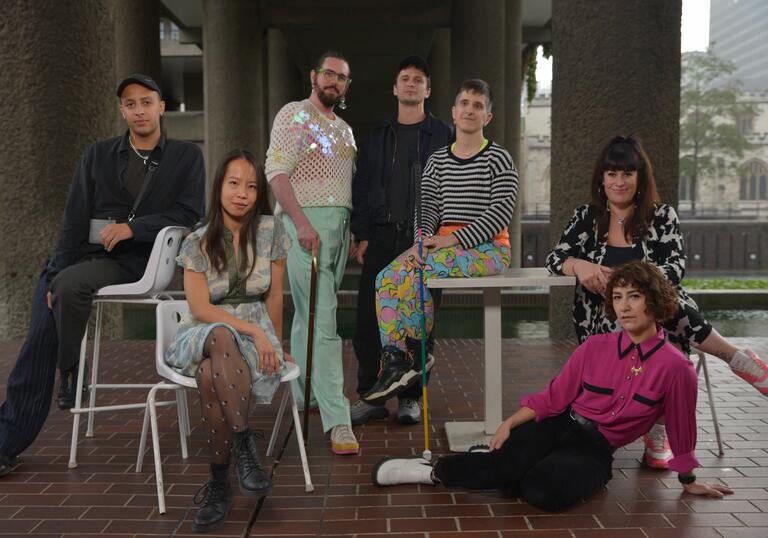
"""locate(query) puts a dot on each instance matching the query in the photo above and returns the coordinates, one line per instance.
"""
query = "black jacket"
(175, 196)
(374, 170)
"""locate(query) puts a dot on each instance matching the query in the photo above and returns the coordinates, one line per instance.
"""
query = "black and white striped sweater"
(479, 191)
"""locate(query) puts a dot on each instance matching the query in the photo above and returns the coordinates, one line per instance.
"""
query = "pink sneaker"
(657, 451)
(748, 366)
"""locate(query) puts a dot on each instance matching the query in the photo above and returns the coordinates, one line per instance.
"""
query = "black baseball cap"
(413, 61)
(138, 78)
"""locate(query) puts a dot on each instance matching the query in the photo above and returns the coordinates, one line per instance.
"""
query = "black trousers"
(53, 337)
(386, 243)
(552, 464)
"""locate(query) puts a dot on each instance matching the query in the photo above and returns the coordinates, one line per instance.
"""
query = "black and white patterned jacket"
(662, 246)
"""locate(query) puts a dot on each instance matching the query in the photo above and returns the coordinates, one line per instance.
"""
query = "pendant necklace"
(142, 157)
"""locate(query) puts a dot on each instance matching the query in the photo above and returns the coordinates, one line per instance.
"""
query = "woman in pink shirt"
(557, 449)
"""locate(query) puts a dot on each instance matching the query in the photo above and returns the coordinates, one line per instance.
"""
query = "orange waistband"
(502, 237)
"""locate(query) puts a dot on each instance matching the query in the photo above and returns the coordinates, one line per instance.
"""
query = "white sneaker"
(748, 366)
(394, 471)
(343, 441)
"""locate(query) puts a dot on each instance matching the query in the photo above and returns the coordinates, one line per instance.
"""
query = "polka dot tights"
(224, 382)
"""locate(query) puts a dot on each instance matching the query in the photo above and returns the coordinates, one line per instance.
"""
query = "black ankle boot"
(254, 479)
(216, 500)
(68, 386)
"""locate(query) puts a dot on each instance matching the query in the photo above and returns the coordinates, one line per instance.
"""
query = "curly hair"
(660, 295)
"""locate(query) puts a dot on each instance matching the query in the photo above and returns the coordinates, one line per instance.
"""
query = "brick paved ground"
(104, 496)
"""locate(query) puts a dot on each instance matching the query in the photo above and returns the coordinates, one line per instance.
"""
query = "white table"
(462, 435)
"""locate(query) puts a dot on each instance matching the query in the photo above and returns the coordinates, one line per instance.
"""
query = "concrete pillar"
(443, 90)
(137, 38)
(609, 78)
(478, 51)
(57, 97)
(513, 75)
(233, 76)
(282, 73)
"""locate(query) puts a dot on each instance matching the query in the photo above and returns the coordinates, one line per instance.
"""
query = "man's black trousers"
(552, 464)
(386, 243)
(53, 338)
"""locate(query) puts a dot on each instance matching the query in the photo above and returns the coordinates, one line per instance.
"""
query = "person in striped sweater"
(468, 193)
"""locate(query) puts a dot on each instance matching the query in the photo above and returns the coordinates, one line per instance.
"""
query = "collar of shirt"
(645, 348)
(126, 146)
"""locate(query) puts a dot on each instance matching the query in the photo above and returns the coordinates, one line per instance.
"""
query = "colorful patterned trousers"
(397, 295)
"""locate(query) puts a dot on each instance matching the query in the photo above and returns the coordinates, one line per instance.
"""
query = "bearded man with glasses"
(310, 163)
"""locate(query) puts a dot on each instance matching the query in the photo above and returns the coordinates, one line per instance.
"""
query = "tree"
(710, 110)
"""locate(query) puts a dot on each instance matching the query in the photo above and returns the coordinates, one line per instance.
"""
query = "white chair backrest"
(162, 259)
(168, 316)
(160, 267)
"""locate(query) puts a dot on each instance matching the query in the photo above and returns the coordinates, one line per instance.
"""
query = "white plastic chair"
(702, 365)
(157, 276)
(169, 315)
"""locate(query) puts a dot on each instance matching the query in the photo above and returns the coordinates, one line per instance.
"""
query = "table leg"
(492, 330)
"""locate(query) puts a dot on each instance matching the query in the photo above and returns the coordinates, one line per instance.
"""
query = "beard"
(326, 98)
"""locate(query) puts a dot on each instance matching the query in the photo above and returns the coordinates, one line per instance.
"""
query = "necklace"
(620, 221)
(142, 157)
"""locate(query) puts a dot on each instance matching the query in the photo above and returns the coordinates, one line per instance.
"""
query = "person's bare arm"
(307, 235)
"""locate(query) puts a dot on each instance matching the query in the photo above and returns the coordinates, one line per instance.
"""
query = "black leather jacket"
(374, 170)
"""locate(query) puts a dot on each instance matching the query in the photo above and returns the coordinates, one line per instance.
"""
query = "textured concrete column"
(282, 74)
(609, 78)
(233, 67)
(513, 82)
(477, 51)
(56, 98)
(137, 38)
(443, 90)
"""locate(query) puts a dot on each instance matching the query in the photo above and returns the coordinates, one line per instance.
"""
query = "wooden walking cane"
(310, 342)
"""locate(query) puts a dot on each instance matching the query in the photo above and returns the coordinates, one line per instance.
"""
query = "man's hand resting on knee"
(112, 234)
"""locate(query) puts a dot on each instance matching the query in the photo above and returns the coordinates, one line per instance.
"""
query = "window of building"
(686, 188)
(747, 125)
(753, 184)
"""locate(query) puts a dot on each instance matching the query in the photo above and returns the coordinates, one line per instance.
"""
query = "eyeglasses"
(333, 76)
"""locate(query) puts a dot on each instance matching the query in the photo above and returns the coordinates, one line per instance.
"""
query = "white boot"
(394, 471)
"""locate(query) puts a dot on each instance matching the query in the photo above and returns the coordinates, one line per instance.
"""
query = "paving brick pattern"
(104, 496)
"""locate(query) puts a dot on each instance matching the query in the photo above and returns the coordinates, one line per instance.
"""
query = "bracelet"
(686, 479)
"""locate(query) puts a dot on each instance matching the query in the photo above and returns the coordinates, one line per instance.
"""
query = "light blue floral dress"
(237, 295)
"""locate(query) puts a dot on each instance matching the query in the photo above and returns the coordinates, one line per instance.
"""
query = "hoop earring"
(343, 103)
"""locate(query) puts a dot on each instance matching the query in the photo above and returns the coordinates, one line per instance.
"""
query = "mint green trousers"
(332, 224)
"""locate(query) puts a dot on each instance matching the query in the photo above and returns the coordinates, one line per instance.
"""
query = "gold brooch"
(636, 371)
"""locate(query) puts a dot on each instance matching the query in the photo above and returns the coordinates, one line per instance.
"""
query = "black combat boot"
(254, 479)
(216, 500)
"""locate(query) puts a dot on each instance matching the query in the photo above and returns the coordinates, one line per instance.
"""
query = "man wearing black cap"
(384, 199)
(124, 191)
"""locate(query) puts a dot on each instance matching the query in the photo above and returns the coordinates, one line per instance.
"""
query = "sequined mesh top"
(317, 153)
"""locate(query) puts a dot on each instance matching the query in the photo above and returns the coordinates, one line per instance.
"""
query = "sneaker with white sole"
(748, 366)
(361, 412)
(394, 471)
(409, 411)
(657, 452)
(396, 374)
(343, 441)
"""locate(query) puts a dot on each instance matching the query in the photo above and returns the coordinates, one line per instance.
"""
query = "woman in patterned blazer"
(626, 221)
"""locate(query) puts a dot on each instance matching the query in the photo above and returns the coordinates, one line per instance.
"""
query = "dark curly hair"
(660, 295)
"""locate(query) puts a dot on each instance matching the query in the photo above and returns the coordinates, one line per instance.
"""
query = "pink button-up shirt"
(624, 388)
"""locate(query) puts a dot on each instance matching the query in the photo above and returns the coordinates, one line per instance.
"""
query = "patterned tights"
(224, 382)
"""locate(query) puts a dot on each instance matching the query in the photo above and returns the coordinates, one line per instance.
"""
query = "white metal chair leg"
(142, 441)
(78, 403)
(278, 420)
(95, 369)
(703, 365)
(187, 426)
(300, 439)
(182, 427)
(156, 448)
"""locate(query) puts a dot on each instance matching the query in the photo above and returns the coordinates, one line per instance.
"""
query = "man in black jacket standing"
(384, 199)
(124, 191)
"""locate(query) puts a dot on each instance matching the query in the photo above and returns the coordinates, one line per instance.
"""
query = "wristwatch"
(686, 479)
